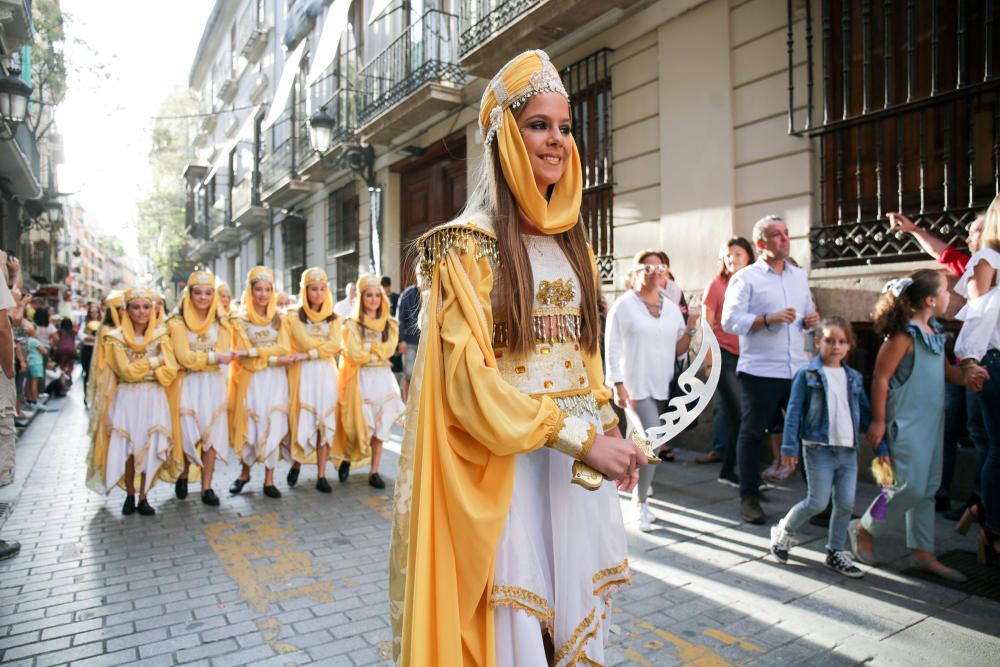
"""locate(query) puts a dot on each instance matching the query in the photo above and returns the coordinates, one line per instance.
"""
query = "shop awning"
(329, 40)
(285, 83)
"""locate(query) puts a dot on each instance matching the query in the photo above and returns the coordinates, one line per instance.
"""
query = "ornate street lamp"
(321, 127)
(54, 209)
(14, 94)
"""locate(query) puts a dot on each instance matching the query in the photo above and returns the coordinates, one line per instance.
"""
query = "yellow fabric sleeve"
(353, 347)
(127, 371)
(383, 349)
(166, 370)
(262, 356)
(326, 348)
(188, 359)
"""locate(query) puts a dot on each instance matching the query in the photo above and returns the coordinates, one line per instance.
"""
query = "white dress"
(139, 420)
(381, 402)
(267, 404)
(563, 551)
(317, 394)
(204, 405)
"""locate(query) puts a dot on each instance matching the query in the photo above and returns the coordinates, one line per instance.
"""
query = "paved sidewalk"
(302, 580)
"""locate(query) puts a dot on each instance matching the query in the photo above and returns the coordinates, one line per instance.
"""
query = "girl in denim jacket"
(826, 409)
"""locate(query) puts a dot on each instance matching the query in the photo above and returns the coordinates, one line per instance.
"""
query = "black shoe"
(942, 504)
(293, 476)
(181, 488)
(751, 511)
(9, 549)
(376, 481)
(129, 506)
(729, 478)
(272, 491)
(323, 486)
(343, 470)
(238, 485)
(145, 509)
(209, 498)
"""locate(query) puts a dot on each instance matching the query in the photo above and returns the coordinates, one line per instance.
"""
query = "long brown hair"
(514, 286)
(893, 313)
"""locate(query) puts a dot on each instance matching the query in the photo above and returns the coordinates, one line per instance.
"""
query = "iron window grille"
(482, 19)
(588, 83)
(426, 51)
(342, 218)
(904, 107)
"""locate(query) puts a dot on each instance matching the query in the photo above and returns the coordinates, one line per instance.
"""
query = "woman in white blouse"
(979, 344)
(646, 332)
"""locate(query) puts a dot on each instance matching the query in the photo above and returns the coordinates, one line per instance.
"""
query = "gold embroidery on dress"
(556, 292)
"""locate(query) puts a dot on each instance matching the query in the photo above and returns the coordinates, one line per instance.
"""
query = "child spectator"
(908, 411)
(826, 408)
(36, 365)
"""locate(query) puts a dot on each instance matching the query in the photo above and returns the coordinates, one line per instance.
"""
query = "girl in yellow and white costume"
(496, 558)
(100, 388)
(225, 297)
(312, 380)
(370, 402)
(202, 342)
(141, 442)
(259, 400)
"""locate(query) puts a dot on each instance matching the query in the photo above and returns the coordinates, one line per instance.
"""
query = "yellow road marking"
(691, 654)
(729, 640)
(381, 504)
(634, 656)
(259, 554)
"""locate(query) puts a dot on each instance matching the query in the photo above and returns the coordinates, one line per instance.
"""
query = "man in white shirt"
(770, 306)
(8, 396)
(345, 307)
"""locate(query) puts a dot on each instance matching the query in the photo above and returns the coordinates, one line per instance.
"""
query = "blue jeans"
(832, 471)
(989, 401)
(761, 400)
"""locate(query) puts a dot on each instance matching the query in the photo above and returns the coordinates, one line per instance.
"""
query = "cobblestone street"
(302, 580)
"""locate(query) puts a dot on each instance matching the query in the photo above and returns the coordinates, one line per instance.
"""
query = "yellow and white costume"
(139, 416)
(201, 389)
(100, 388)
(313, 382)
(492, 545)
(259, 404)
(370, 402)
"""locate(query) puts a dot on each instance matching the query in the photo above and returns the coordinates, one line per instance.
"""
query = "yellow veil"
(315, 275)
(255, 274)
(128, 332)
(191, 319)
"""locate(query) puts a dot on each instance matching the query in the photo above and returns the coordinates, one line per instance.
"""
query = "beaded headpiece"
(509, 89)
(134, 293)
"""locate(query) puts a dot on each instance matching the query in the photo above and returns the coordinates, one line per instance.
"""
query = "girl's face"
(833, 345)
(735, 259)
(316, 293)
(139, 311)
(201, 296)
(652, 272)
(939, 302)
(283, 301)
(371, 299)
(225, 298)
(93, 313)
(544, 124)
(262, 291)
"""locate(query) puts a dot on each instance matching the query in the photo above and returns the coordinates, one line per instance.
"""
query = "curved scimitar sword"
(681, 410)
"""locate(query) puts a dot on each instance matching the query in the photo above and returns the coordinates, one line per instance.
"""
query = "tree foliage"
(163, 236)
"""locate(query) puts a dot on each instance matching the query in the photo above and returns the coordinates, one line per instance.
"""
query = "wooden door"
(433, 191)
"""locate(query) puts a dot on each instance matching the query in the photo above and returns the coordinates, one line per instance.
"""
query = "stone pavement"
(302, 580)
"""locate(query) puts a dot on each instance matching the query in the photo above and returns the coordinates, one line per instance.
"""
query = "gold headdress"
(267, 275)
(191, 319)
(529, 74)
(315, 275)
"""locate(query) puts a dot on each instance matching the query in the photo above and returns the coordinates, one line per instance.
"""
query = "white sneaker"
(645, 519)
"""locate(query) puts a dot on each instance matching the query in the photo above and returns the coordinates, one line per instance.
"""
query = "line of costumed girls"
(168, 399)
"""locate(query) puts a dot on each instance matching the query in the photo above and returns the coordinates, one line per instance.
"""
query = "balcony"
(281, 183)
(230, 84)
(252, 33)
(342, 105)
(15, 23)
(222, 230)
(494, 31)
(248, 212)
(412, 79)
(19, 163)
(202, 246)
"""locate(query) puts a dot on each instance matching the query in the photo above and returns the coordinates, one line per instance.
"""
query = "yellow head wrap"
(530, 73)
(260, 273)
(191, 318)
(114, 301)
(365, 281)
(315, 275)
(222, 288)
(128, 332)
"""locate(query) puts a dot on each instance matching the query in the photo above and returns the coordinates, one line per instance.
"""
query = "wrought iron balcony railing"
(426, 51)
(342, 106)
(287, 153)
(252, 31)
(483, 18)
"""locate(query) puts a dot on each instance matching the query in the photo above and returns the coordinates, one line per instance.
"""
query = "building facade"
(694, 118)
